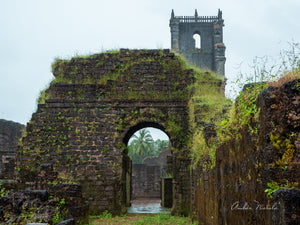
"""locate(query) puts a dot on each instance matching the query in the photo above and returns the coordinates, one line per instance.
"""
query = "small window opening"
(197, 39)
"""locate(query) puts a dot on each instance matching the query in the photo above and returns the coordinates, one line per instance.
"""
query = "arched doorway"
(148, 149)
(197, 40)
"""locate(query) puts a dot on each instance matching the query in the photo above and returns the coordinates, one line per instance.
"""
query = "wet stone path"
(146, 205)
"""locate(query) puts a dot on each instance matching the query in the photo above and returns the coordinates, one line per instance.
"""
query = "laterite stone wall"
(10, 133)
(233, 192)
(79, 133)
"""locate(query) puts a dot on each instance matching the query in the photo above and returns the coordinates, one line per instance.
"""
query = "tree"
(160, 144)
(141, 146)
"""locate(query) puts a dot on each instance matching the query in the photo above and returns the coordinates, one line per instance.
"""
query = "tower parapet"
(210, 51)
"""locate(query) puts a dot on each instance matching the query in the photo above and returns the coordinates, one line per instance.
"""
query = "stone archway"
(89, 111)
(144, 180)
(142, 125)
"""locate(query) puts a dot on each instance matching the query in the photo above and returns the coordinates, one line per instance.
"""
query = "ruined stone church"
(76, 143)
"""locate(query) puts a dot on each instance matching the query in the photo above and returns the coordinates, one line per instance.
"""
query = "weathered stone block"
(287, 203)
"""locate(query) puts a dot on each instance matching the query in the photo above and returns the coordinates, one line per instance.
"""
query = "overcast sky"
(35, 32)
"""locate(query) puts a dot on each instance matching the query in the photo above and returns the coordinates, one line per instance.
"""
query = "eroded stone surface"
(79, 134)
(234, 191)
(10, 133)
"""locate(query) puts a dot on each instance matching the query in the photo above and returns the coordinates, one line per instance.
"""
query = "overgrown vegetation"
(209, 110)
(244, 111)
(241, 113)
(162, 219)
(205, 86)
(201, 88)
(205, 108)
(274, 186)
(285, 147)
(142, 146)
(3, 191)
(117, 69)
(43, 96)
(32, 210)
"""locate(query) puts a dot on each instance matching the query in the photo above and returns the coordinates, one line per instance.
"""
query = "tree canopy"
(143, 146)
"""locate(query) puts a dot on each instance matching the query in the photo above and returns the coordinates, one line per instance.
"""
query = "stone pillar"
(181, 185)
(219, 58)
(219, 47)
(167, 192)
(174, 26)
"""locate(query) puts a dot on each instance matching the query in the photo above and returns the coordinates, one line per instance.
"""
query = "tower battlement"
(200, 40)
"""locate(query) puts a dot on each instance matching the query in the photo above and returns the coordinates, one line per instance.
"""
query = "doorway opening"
(197, 40)
(149, 150)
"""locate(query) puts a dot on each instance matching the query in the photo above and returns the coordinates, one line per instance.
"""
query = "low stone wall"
(146, 181)
(60, 202)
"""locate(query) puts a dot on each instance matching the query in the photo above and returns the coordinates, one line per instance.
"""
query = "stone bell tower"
(200, 40)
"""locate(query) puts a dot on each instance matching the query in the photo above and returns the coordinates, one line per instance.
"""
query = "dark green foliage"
(143, 146)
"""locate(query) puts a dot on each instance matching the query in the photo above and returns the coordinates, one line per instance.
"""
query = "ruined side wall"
(10, 133)
(234, 191)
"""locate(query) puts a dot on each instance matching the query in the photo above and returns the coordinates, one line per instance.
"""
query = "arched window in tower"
(197, 39)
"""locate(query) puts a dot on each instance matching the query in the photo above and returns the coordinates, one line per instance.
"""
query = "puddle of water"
(147, 206)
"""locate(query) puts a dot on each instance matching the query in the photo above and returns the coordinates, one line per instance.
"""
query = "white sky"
(34, 32)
